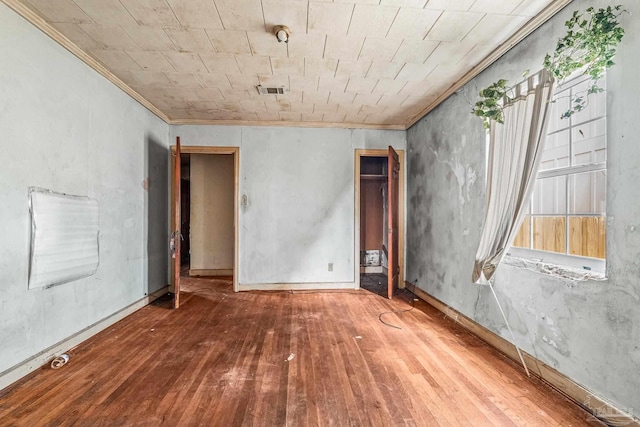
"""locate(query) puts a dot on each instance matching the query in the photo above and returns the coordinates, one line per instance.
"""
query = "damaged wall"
(299, 185)
(66, 128)
(588, 330)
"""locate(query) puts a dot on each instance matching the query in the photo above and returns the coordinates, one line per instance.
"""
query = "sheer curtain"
(514, 157)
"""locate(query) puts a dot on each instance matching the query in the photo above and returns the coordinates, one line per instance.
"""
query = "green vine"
(589, 45)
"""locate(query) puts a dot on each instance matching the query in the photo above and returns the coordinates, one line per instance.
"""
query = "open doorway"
(185, 212)
(379, 220)
(205, 213)
(373, 223)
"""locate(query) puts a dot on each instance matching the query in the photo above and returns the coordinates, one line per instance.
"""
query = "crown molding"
(285, 124)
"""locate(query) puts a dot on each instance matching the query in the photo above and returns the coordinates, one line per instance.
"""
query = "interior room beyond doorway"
(206, 214)
(379, 181)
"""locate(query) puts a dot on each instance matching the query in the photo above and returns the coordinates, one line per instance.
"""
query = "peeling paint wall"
(299, 185)
(66, 128)
(588, 330)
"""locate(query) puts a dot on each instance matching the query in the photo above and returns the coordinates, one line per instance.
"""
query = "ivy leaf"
(589, 45)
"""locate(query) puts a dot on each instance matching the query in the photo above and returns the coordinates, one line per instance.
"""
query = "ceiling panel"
(110, 37)
(150, 60)
(151, 12)
(241, 14)
(389, 86)
(414, 4)
(229, 41)
(361, 85)
(106, 12)
(242, 81)
(353, 68)
(492, 6)
(195, 13)
(330, 83)
(77, 35)
(369, 20)
(152, 78)
(263, 43)
(369, 63)
(288, 66)
(412, 24)
(190, 40)
(379, 49)
(187, 62)
(415, 72)
(495, 28)
(293, 14)
(150, 38)
(253, 65)
(414, 51)
(329, 18)
(59, 11)
(116, 60)
(453, 26)
(384, 70)
(449, 4)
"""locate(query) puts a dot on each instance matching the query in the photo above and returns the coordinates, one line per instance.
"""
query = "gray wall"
(300, 188)
(589, 331)
(66, 128)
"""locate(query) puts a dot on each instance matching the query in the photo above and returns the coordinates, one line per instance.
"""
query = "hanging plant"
(589, 45)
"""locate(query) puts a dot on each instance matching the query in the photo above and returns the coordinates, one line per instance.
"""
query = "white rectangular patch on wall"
(64, 237)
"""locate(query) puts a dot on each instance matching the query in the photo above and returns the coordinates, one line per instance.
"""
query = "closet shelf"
(374, 177)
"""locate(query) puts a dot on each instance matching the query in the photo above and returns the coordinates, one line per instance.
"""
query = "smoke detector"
(263, 90)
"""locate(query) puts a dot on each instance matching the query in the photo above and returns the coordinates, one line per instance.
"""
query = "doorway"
(205, 213)
(379, 242)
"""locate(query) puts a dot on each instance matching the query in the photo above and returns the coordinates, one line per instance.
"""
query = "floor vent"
(262, 90)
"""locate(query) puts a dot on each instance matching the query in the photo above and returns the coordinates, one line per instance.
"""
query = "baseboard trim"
(296, 286)
(210, 272)
(24, 368)
(596, 406)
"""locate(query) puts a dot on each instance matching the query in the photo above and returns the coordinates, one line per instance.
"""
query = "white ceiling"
(356, 63)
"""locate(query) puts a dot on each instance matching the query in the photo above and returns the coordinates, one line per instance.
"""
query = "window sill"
(536, 261)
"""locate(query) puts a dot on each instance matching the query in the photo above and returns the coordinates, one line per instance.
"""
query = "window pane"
(550, 196)
(549, 233)
(559, 105)
(589, 142)
(556, 151)
(597, 102)
(587, 236)
(523, 238)
(587, 192)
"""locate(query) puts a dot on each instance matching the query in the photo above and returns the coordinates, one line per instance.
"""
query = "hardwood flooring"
(285, 359)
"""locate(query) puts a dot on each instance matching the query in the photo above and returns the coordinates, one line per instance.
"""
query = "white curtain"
(514, 157)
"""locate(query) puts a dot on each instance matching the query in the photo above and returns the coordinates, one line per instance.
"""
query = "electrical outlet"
(330, 266)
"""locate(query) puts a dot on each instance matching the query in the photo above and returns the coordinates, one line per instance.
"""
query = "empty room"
(295, 213)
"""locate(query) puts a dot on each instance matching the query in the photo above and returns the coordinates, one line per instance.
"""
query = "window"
(567, 214)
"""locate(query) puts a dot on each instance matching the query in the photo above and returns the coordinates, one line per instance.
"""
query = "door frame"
(235, 151)
(359, 153)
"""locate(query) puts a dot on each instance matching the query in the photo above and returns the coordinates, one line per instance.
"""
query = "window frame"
(597, 265)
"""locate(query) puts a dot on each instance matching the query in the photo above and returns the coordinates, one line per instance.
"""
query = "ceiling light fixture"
(282, 33)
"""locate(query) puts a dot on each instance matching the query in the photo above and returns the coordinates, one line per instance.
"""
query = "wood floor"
(281, 358)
